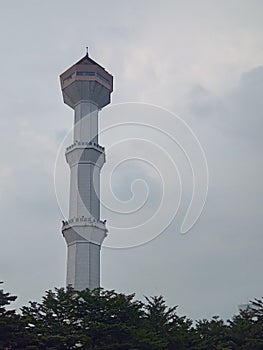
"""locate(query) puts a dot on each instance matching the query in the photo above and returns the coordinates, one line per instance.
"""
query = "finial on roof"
(87, 51)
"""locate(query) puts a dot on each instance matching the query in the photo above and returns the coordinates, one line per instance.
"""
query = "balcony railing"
(85, 145)
(82, 220)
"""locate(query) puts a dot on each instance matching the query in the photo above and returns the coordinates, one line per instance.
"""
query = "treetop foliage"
(104, 319)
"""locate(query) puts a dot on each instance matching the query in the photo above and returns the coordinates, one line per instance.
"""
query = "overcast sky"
(200, 60)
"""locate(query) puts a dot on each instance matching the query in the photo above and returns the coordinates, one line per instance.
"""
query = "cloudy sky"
(201, 61)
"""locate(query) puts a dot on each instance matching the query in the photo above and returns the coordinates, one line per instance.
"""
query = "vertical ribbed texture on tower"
(86, 87)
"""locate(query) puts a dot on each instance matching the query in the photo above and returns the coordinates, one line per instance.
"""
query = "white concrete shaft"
(84, 191)
(85, 159)
(86, 122)
(83, 265)
(84, 241)
(85, 164)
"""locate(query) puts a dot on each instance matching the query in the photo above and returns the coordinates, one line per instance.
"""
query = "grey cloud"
(238, 112)
(245, 106)
(204, 104)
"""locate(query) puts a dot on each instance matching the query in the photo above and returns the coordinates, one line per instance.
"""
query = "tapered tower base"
(84, 239)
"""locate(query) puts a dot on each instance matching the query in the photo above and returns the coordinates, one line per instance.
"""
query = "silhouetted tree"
(173, 331)
(214, 335)
(98, 319)
(247, 327)
(105, 320)
(13, 333)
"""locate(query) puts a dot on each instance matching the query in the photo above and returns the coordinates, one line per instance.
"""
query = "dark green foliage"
(95, 319)
(247, 327)
(105, 320)
(172, 331)
(7, 319)
(214, 335)
(13, 333)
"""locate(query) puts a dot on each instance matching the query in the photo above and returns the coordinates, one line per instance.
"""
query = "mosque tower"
(86, 88)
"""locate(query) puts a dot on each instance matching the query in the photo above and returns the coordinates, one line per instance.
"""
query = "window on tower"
(82, 74)
(93, 74)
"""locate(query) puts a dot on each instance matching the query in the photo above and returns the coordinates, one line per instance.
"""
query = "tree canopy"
(103, 319)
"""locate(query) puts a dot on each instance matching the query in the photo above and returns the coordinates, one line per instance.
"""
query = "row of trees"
(101, 319)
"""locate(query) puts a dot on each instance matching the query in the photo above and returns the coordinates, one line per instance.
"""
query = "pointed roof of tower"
(87, 60)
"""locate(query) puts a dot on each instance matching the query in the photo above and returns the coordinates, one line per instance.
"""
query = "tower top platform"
(86, 76)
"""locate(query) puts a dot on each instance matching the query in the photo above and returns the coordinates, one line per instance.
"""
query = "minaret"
(86, 87)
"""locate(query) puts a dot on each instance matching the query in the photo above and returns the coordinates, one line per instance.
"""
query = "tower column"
(86, 87)
(86, 122)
